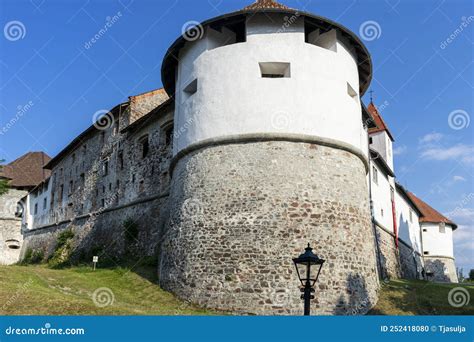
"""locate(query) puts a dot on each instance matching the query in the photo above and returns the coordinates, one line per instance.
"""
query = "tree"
(3, 181)
(471, 274)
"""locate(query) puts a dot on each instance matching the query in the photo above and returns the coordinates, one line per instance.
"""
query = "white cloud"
(462, 152)
(431, 137)
(459, 179)
(399, 150)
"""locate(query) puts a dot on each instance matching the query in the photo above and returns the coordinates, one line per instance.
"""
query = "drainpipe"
(372, 214)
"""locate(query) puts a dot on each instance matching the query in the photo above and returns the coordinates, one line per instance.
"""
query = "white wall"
(436, 243)
(409, 229)
(38, 197)
(381, 197)
(382, 143)
(232, 97)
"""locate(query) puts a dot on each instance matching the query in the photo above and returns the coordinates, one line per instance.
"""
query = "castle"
(258, 144)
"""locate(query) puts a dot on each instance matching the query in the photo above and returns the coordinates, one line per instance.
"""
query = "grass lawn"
(416, 297)
(38, 290)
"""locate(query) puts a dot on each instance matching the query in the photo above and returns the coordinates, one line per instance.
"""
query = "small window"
(381, 212)
(45, 203)
(73, 158)
(105, 168)
(191, 88)
(169, 136)
(275, 70)
(144, 145)
(110, 186)
(120, 160)
(84, 150)
(117, 184)
(371, 140)
(102, 202)
(36, 208)
(351, 92)
(425, 230)
(61, 192)
(375, 175)
(442, 228)
(133, 178)
(71, 187)
(103, 189)
(83, 179)
(411, 216)
(426, 253)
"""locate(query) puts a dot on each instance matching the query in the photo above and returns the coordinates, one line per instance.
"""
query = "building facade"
(263, 146)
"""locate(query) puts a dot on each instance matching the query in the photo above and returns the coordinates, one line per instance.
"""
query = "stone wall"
(442, 268)
(11, 239)
(395, 263)
(239, 213)
(103, 233)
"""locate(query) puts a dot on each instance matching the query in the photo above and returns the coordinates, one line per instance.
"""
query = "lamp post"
(308, 275)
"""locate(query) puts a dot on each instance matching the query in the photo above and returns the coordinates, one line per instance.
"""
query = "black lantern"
(308, 266)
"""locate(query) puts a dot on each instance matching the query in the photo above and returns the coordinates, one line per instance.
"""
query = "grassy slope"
(37, 290)
(412, 297)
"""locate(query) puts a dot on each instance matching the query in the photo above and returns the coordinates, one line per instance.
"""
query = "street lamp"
(308, 275)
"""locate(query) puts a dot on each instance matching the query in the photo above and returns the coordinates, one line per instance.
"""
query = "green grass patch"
(416, 297)
(39, 290)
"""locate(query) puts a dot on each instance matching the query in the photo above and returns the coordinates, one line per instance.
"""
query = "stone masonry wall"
(10, 227)
(397, 263)
(239, 213)
(443, 269)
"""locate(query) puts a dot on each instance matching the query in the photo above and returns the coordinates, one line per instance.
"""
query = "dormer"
(380, 138)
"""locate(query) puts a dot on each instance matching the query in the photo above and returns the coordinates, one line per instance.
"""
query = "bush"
(63, 250)
(32, 257)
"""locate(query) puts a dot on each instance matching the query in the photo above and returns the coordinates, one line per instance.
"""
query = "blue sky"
(51, 84)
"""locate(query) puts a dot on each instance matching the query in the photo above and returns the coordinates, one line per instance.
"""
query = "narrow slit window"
(191, 88)
(351, 92)
(275, 70)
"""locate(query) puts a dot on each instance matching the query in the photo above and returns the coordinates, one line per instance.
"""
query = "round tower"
(270, 153)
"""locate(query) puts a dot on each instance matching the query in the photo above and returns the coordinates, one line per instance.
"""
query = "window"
(426, 253)
(83, 179)
(103, 189)
(392, 194)
(116, 127)
(425, 230)
(52, 199)
(375, 175)
(411, 216)
(275, 70)
(45, 204)
(71, 186)
(61, 192)
(351, 92)
(36, 208)
(120, 160)
(191, 88)
(169, 135)
(381, 212)
(144, 145)
(117, 184)
(102, 202)
(73, 158)
(371, 140)
(105, 168)
(110, 186)
(316, 36)
(442, 227)
(84, 150)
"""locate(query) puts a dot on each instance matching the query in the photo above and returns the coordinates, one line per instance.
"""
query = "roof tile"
(429, 213)
(27, 171)
(265, 4)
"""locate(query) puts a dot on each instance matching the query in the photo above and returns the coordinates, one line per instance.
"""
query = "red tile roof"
(26, 171)
(265, 4)
(381, 125)
(429, 214)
